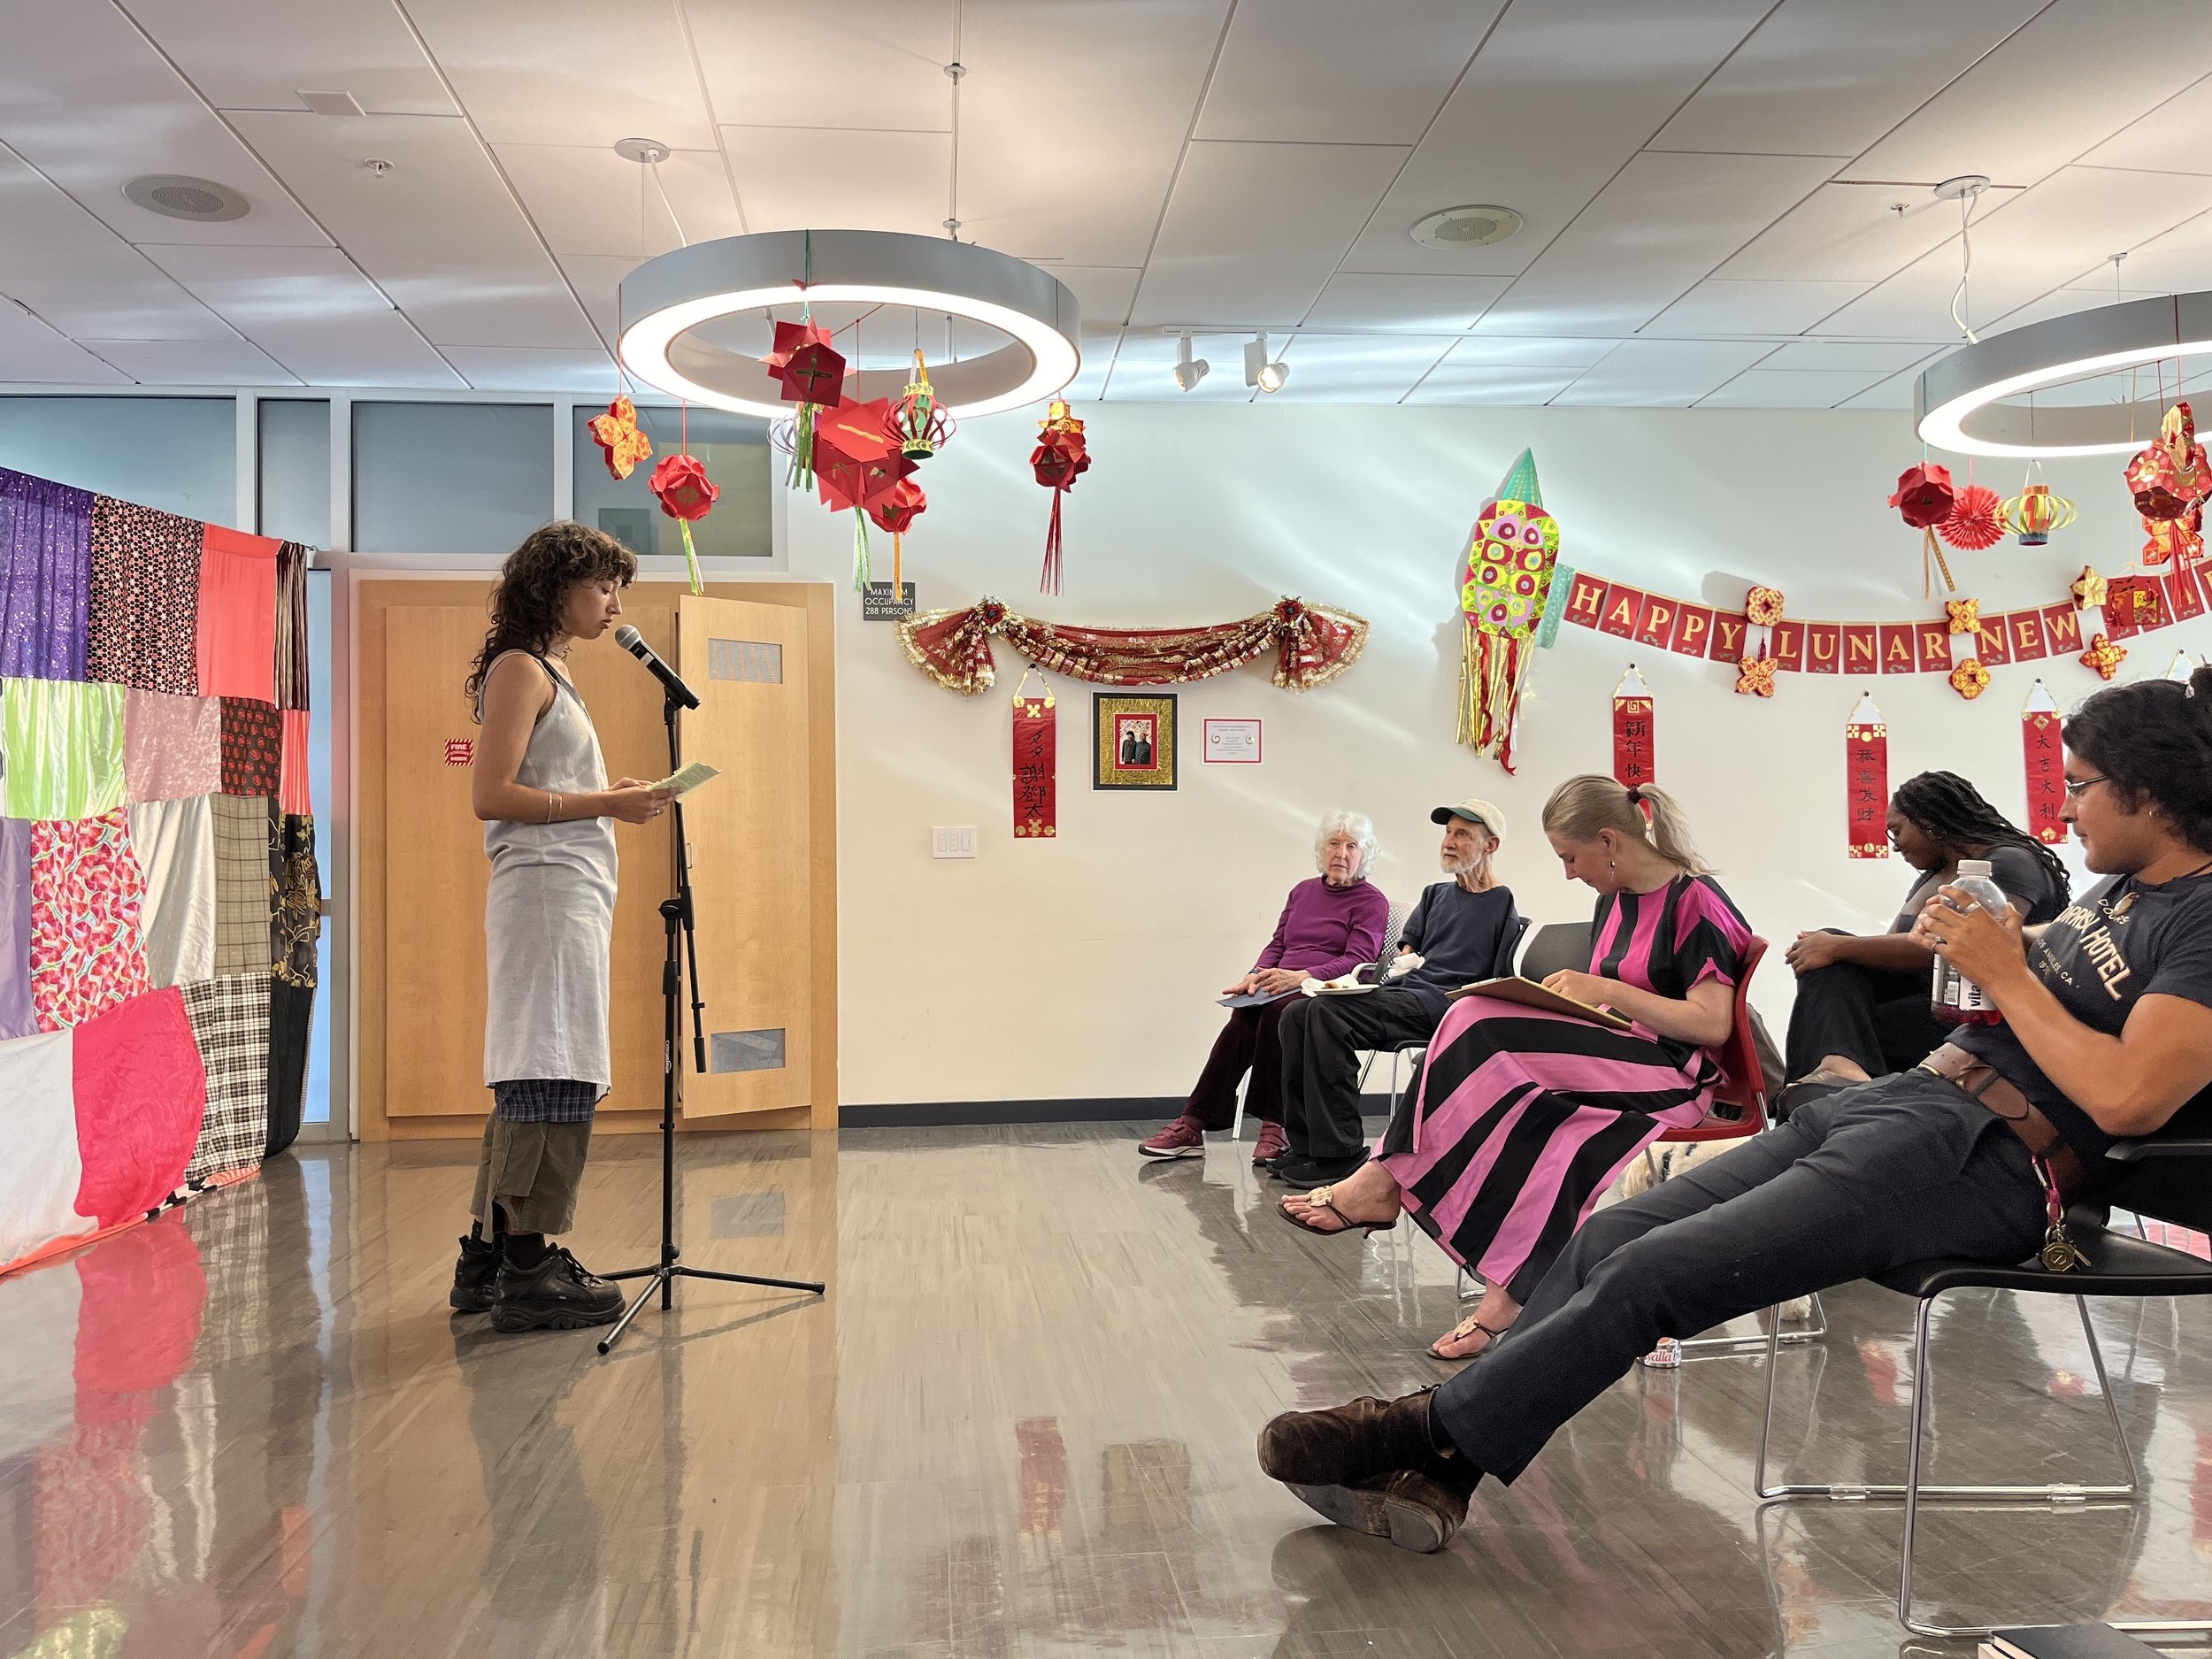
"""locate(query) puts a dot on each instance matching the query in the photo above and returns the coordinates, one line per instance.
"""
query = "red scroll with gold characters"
(1633, 759)
(2043, 756)
(1036, 764)
(1866, 781)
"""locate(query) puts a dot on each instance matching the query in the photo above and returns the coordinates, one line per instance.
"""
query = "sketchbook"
(1528, 994)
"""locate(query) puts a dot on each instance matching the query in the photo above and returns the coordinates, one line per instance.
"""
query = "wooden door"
(750, 869)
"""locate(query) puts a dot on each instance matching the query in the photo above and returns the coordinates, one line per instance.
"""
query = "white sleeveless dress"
(548, 915)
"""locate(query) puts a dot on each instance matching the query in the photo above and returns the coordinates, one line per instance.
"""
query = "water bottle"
(1956, 1000)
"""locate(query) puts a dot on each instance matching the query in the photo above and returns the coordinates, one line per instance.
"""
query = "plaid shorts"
(545, 1100)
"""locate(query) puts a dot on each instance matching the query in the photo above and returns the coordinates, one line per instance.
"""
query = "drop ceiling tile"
(79, 275)
(193, 362)
(1531, 350)
(1072, 119)
(1652, 233)
(1718, 306)
(440, 235)
(1253, 232)
(1356, 368)
(881, 65)
(1811, 81)
(2058, 302)
(1319, 72)
(589, 201)
(1506, 386)
(32, 354)
(1102, 293)
(1790, 388)
(99, 107)
(1852, 233)
(597, 279)
(2045, 238)
(1144, 370)
(1406, 300)
(1670, 374)
(2066, 81)
(262, 54)
(2177, 261)
(519, 369)
(312, 310)
(1896, 392)
(2168, 139)
(1841, 355)
(827, 178)
(1098, 360)
(1560, 96)
(570, 72)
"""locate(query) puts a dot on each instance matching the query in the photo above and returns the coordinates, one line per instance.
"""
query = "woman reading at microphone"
(540, 788)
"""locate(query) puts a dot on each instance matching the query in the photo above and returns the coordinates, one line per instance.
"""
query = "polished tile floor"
(1020, 1423)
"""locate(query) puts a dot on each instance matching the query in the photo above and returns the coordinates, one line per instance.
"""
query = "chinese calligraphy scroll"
(1866, 781)
(1036, 764)
(2043, 756)
(1633, 761)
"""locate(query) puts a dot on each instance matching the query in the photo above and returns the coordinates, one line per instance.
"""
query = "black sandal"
(1322, 1198)
(1465, 1327)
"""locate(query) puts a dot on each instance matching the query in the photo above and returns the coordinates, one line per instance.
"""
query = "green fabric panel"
(63, 740)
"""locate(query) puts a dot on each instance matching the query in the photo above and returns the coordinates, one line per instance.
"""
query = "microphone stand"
(677, 915)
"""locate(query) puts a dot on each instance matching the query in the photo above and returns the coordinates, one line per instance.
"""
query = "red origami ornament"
(1976, 520)
(1060, 457)
(681, 486)
(616, 434)
(812, 375)
(2167, 540)
(856, 464)
(1925, 498)
(2170, 475)
(895, 512)
(2104, 657)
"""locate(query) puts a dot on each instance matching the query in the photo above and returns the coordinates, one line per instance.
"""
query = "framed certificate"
(1232, 742)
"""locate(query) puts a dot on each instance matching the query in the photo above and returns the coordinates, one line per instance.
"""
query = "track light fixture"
(1259, 371)
(1189, 370)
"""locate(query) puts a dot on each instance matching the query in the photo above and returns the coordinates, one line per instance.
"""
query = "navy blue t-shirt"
(1459, 936)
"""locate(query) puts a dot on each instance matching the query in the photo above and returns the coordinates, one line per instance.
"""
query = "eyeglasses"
(2074, 787)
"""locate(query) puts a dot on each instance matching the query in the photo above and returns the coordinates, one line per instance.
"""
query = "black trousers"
(1322, 1037)
(1899, 1170)
(1249, 1043)
(1877, 1016)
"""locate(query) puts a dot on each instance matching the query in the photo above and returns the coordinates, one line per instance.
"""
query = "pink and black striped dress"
(1524, 1117)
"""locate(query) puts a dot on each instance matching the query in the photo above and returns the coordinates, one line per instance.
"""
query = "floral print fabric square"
(172, 747)
(253, 746)
(64, 743)
(142, 620)
(86, 954)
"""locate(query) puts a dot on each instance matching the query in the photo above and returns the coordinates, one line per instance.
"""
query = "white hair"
(1353, 824)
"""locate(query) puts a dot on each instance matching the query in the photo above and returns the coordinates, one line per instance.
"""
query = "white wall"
(1084, 966)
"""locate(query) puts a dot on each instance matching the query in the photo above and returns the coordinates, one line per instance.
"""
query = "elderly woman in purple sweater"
(1330, 925)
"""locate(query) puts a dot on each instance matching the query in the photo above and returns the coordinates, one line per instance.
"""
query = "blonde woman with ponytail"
(1523, 1116)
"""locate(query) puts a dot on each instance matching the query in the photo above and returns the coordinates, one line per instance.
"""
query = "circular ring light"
(1958, 403)
(667, 300)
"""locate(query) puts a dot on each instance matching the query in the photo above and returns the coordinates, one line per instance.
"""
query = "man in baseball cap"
(1474, 810)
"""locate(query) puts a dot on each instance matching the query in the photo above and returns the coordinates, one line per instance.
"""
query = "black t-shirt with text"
(2122, 940)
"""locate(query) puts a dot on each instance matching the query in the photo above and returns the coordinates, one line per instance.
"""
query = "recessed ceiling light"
(178, 196)
(1455, 227)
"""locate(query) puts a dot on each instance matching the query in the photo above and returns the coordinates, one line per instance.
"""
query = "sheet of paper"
(1256, 998)
(689, 778)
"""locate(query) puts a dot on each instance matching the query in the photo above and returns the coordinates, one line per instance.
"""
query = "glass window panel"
(296, 470)
(179, 454)
(451, 478)
(734, 451)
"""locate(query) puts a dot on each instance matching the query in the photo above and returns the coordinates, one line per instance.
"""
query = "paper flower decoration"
(1970, 678)
(1060, 457)
(918, 423)
(1504, 581)
(616, 434)
(2170, 475)
(1763, 607)
(895, 512)
(1977, 519)
(1963, 615)
(685, 492)
(2088, 589)
(1755, 676)
(2034, 513)
(1924, 495)
(2104, 657)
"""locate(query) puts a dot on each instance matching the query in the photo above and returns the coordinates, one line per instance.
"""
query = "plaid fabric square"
(143, 614)
(544, 1100)
(253, 746)
(230, 1023)
(242, 898)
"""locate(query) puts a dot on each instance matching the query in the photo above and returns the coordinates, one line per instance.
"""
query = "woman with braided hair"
(1862, 1007)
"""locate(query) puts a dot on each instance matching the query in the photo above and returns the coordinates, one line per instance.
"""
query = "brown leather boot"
(1375, 1466)
(1413, 1510)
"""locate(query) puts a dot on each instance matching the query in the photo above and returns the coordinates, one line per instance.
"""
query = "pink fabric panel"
(235, 641)
(140, 1092)
(172, 747)
(1540, 1196)
(292, 797)
(87, 893)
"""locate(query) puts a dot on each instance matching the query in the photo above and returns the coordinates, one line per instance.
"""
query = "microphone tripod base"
(664, 1278)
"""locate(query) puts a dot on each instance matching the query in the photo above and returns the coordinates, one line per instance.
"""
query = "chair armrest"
(2136, 1151)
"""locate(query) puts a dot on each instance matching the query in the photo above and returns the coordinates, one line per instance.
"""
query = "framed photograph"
(1132, 741)
(1231, 743)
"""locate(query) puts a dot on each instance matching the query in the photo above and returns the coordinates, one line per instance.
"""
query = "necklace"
(2128, 902)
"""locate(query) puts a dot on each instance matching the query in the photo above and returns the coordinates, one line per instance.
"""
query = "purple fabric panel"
(45, 576)
(17, 1017)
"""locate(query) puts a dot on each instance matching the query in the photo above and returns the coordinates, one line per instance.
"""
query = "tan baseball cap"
(1476, 810)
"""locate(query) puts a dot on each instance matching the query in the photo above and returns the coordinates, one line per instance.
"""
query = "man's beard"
(1466, 867)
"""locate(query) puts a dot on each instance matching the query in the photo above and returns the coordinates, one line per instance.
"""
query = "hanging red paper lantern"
(811, 374)
(681, 486)
(1976, 520)
(2170, 475)
(918, 424)
(2034, 513)
(895, 512)
(857, 465)
(1925, 498)
(1060, 457)
(616, 434)
(2167, 540)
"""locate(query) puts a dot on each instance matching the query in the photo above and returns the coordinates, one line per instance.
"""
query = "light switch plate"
(955, 841)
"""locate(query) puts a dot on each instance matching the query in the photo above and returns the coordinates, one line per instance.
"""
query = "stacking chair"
(2166, 1180)
(1391, 929)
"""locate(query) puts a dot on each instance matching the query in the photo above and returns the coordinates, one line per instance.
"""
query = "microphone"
(631, 641)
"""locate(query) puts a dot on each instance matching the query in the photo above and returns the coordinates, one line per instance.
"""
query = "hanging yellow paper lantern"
(2035, 512)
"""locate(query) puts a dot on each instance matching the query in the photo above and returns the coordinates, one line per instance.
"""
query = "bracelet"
(552, 805)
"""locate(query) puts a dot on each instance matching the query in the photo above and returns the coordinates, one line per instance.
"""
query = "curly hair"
(534, 587)
(2152, 738)
(1952, 813)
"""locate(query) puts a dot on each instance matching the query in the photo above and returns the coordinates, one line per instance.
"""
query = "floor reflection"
(1021, 1423)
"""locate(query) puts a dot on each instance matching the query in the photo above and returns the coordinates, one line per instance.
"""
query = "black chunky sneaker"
(556, 1295)
(474, 1276)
